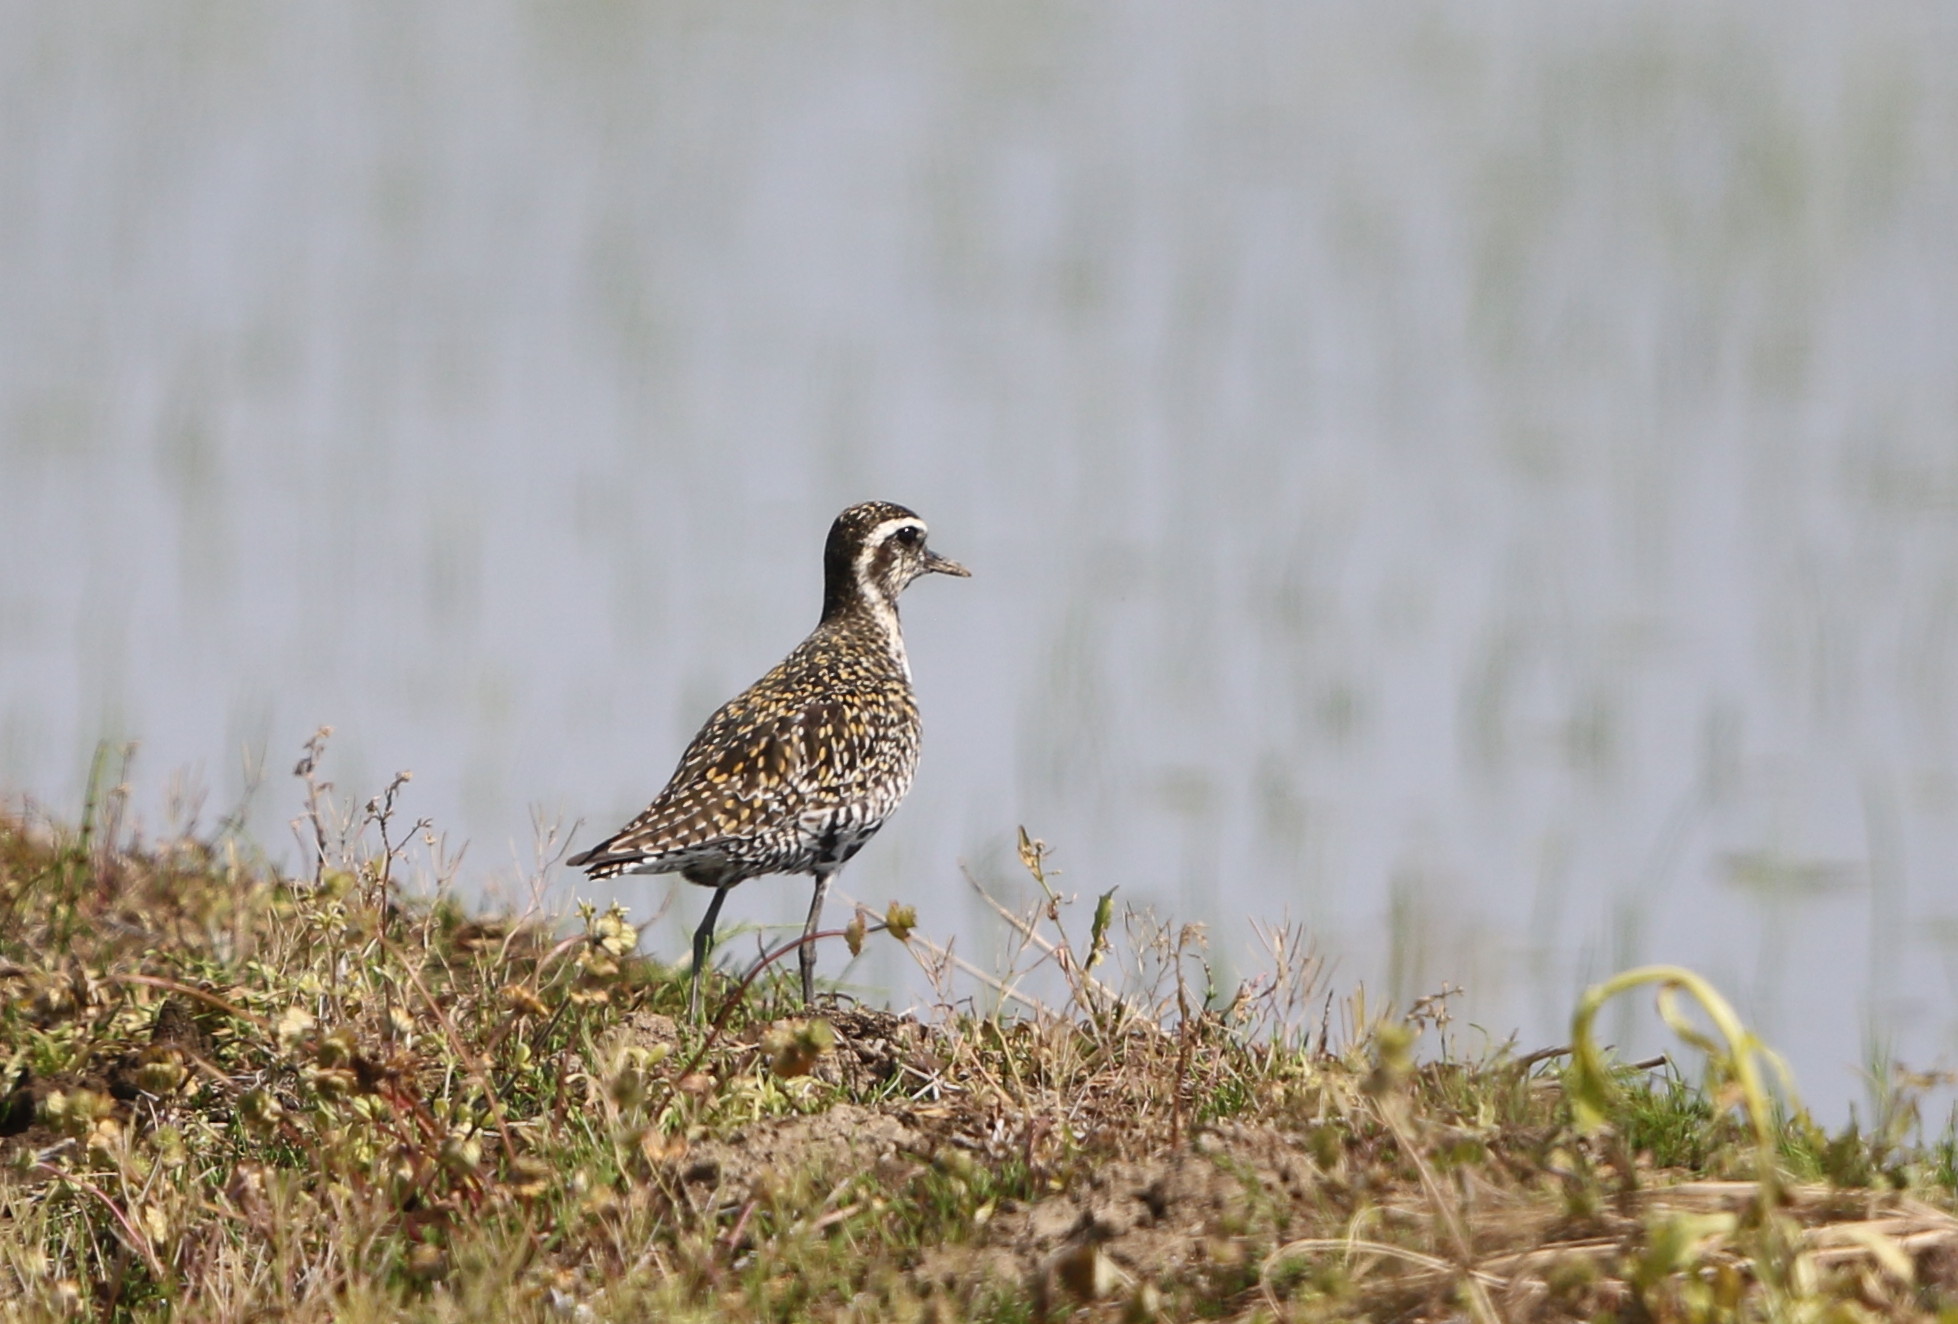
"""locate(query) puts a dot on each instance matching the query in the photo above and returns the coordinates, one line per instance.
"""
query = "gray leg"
(703, 944)
(807, 953)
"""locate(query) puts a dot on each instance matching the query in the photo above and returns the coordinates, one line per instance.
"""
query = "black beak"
(944, 565)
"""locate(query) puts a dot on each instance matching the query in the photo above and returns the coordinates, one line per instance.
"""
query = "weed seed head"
(793, 1046)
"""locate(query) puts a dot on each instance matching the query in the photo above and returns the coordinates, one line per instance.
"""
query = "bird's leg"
(806, 954)
(703, 944)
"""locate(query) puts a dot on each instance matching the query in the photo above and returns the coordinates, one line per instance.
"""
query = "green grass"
(228, 1094)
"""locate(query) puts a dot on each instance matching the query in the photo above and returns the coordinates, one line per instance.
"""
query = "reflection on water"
(1484, 489)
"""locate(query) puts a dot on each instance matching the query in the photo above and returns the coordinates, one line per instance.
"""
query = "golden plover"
(798, 771)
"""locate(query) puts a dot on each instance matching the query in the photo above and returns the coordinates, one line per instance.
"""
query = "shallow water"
(1484, 489)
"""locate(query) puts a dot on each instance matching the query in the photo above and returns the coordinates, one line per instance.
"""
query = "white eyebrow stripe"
(877, 536)
(890, 526)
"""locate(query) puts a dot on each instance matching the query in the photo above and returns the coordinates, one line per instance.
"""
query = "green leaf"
(1098, 935)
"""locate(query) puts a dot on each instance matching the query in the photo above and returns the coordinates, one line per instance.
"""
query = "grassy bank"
(226, 1094)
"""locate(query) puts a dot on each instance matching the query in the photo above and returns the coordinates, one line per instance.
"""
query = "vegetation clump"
(228, 1094)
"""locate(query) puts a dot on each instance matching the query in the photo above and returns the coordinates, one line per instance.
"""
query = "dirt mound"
(1182, 1214)
(845, 1141)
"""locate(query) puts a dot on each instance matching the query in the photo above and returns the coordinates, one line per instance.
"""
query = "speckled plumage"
(798, 771)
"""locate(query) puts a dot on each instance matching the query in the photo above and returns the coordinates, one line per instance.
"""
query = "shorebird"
(799, 770)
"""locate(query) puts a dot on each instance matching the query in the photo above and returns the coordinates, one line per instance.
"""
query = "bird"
(797, 772)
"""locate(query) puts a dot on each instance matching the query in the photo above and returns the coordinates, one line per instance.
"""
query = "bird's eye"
(910, 535)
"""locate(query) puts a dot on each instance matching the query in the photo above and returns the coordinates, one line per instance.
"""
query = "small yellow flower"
(462, 1152)
(67, 1296)
(160, 1077)
(261, 1110)
(613, 931)
(426, 1262)
(294, 1024)
(337, 1048)
(331, 1082)
(529, 1177)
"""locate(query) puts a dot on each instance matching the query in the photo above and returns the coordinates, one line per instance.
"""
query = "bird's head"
(875, 549)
